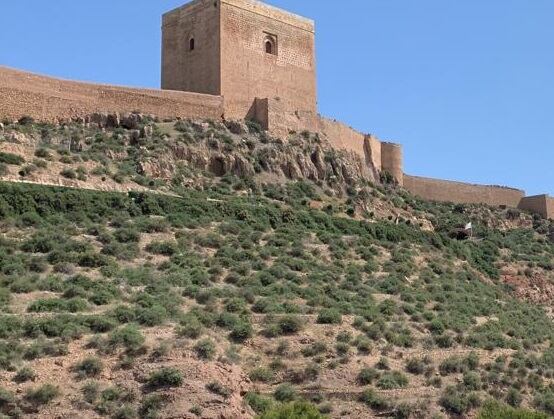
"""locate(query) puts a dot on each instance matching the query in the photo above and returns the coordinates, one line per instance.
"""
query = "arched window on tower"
(270, 44)
(191, 44)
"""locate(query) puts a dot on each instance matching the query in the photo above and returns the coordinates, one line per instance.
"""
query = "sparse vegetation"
(292, 284)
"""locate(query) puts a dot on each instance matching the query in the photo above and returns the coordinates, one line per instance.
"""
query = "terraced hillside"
(226, 274)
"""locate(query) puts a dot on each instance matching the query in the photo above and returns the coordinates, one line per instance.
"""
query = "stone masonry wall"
(248, 71)
(196, 70)
(458, 192)
(274, 117)
(540, 204)
(50, 100)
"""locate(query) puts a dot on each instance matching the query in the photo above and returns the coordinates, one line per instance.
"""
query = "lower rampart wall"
(51, 100)
(540, 204)
(464, 193)
(274, 117)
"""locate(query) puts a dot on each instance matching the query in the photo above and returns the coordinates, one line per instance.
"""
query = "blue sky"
(466, 86)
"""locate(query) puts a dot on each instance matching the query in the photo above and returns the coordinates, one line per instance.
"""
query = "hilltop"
(198, 268)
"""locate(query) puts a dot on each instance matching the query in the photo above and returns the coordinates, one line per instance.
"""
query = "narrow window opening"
(191, 44)
(270, 44)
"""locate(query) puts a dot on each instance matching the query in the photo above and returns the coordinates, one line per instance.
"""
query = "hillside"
(184, 269)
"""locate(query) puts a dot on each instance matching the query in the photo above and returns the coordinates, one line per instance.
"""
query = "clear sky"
(466, 86)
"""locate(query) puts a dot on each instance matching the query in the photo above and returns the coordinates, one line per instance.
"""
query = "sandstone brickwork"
(540, 204)
(230, 56)
(465, 193)
(50, 100)
(279, 121)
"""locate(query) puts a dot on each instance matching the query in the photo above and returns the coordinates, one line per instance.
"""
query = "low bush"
(329, 316)
(88, 367)
(205, 349)
(165, 377)
(373, 400)
(367, 376)
(219, 389)
(42, 395)
(285, 393)
(9, 158)
(392, 380)
(295, 410)
(24, 374)
(495, 410)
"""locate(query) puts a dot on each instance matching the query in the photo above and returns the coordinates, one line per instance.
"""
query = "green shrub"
(258, 403)
(150, 406)
(88, 367)
(219, 389)
(69, 173)
(24, 374)
(373, 400)
(285, 393)
(128, 337)
(241, 331)
(495, 410)
(329, 316)
(367, 375)
(295, 410)
(416, 366)
(165, 377)
(457, 402)
(261, 374)
(392, 380)
(43, 153)
(9, 158)
(42, 395)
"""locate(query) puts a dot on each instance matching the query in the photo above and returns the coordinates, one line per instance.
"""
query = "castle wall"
(196, 70)
(248, 71)
(274, 117)
(463, 193)
(540, 204)
(392, 161)
(51, 100)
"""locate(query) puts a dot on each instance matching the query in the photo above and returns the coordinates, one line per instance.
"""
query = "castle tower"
(241, 50)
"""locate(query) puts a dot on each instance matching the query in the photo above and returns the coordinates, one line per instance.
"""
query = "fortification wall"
(540, 204)
(279, 121)
(248, 71)
(50, 100)
(465, 193)
(392, 161)
(198, 69)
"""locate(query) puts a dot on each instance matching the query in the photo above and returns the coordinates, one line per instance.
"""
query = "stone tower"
(241, 50)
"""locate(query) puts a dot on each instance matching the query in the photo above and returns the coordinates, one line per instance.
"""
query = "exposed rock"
(100, 119)
(75, 145)
(131, 121)
(146, 131)
(551, 235)
(1, 127)
(237, 127)
(113, 120)
(134, 136)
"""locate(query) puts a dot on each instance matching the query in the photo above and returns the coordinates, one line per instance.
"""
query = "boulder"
(100, 119)
(1, 127)
(134, 136)
(146, 131)
(237, 127)
(75, 145)
(113, 120)
(131, 121)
